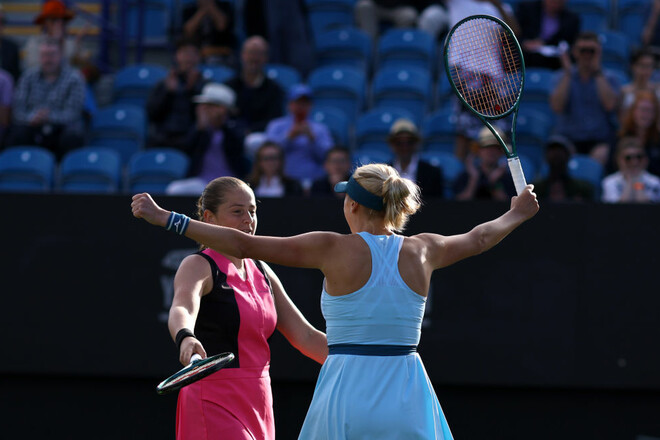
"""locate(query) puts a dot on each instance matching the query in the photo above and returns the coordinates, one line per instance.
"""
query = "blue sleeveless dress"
(373, 384)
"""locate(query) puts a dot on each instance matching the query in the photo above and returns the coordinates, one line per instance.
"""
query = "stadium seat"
(530, 167)
(218, 74)
(409, 88)
(584, 167)
(406, 47)
(367, 156)
(341, 87)
(27, 169)
(324, 15)
(373, 127)
(344, 47)
(451, 167)
(152, 170)
(336, 121)
(133, 84)
(532, 131)
(594, 14)
(91, 170)
(121, 127)
(616, 49)
(157, 20)
(284, 75)
(631, 18)
(538, 83)
(439, 131)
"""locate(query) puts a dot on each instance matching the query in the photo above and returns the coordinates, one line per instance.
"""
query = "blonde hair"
(401, 196)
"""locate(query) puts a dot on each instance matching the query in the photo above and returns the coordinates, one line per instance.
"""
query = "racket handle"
(195, 357)
(517, 174)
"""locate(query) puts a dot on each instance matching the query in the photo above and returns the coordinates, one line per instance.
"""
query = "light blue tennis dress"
(373, 384)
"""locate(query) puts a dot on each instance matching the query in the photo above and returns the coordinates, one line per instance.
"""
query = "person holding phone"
(373, 383)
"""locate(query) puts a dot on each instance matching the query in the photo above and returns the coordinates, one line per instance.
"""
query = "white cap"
(214, 93)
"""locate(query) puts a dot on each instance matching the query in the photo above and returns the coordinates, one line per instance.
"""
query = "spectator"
(215, 147)
(369, 14)
(304, 141)
(268, 178)
(48, 104)
(404, 141)
(6, 93)
(545, 27)
(642, 63)
(337, 166)
(486, 175)
(584, 97)
(53, 20)
(641, 120)
(170, 109)
(259, 99)
(559, 186)
(211, 23)
(632, 183)
(9, 55)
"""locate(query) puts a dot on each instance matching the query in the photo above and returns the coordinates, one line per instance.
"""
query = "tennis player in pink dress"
(224, 304)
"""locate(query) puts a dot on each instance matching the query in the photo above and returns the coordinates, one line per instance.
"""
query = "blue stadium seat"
(366, 156)
(152, 170)
(344, 47)
(324, 15)
(584, 167)
(133, 84)
(373, 127)
(341, 87)
(336, 121)
(536, 93)
(284, 75)
(451, 167)
(406, 47)
(91, 170)
(409, 88)
(631, 18)
(616, 49)
(444, 94)
(121, 127)
(27, 169)
(157, 21)
(594, 14)
(217, 74)
(439, 131)
(532, 131)
(530, 168)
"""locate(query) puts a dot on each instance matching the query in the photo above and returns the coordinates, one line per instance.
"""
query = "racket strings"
(486, 66)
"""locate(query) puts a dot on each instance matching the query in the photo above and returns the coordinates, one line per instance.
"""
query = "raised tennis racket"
(197, 369)
(486, 69)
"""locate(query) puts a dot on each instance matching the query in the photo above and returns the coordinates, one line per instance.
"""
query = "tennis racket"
(197, 369)
(486, 69)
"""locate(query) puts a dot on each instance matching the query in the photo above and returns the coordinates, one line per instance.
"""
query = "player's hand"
(144, 207)
(525, 204)
(190, 346)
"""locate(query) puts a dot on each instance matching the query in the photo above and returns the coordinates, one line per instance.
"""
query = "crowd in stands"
(289, 112)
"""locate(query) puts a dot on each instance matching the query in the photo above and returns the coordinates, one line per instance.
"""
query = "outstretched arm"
(444, 251)
(293, 325)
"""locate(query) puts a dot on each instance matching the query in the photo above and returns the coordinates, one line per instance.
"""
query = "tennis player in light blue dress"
(373, 384)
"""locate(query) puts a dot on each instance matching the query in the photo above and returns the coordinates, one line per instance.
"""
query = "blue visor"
(359, 194)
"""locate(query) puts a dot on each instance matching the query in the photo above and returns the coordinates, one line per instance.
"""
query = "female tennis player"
(373, 383)
(227, 304)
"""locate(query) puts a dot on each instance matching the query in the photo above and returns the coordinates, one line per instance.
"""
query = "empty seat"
(91, 170)
(631, 18)
(616, 49)
(406, 47)
(341, 87)
(152, 170)
(133, 84)
(451, 167)
(324, 15)
(121, 127)
(26, 169)
(594, 14)
(407, 87)
(366, 156)
(336, 121)
(344, 47)
(439, 131)
(284, 75)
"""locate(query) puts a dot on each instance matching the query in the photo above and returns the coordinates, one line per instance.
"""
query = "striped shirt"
(64, 97)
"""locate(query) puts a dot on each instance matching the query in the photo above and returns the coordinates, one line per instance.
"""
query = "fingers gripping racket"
(486, 69)
(197, 369)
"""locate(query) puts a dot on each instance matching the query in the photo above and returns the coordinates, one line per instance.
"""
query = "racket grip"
(195, 357)
(517, 173)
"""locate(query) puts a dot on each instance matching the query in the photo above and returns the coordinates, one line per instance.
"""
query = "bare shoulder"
(194, 264)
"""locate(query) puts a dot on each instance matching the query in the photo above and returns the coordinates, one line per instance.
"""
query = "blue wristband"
(177, 223)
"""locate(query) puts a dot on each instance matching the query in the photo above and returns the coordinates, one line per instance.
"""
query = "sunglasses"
(630, 157)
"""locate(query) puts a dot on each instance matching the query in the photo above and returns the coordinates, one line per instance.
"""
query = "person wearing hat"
(373, 383)
(404, 140)
(53, 20)
(216, 146)
(170, 106)
(305, 142)
(558, 185)
(486, 175)
(632, 183)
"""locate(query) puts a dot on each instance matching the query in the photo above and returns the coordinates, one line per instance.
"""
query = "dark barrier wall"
(565, 308)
